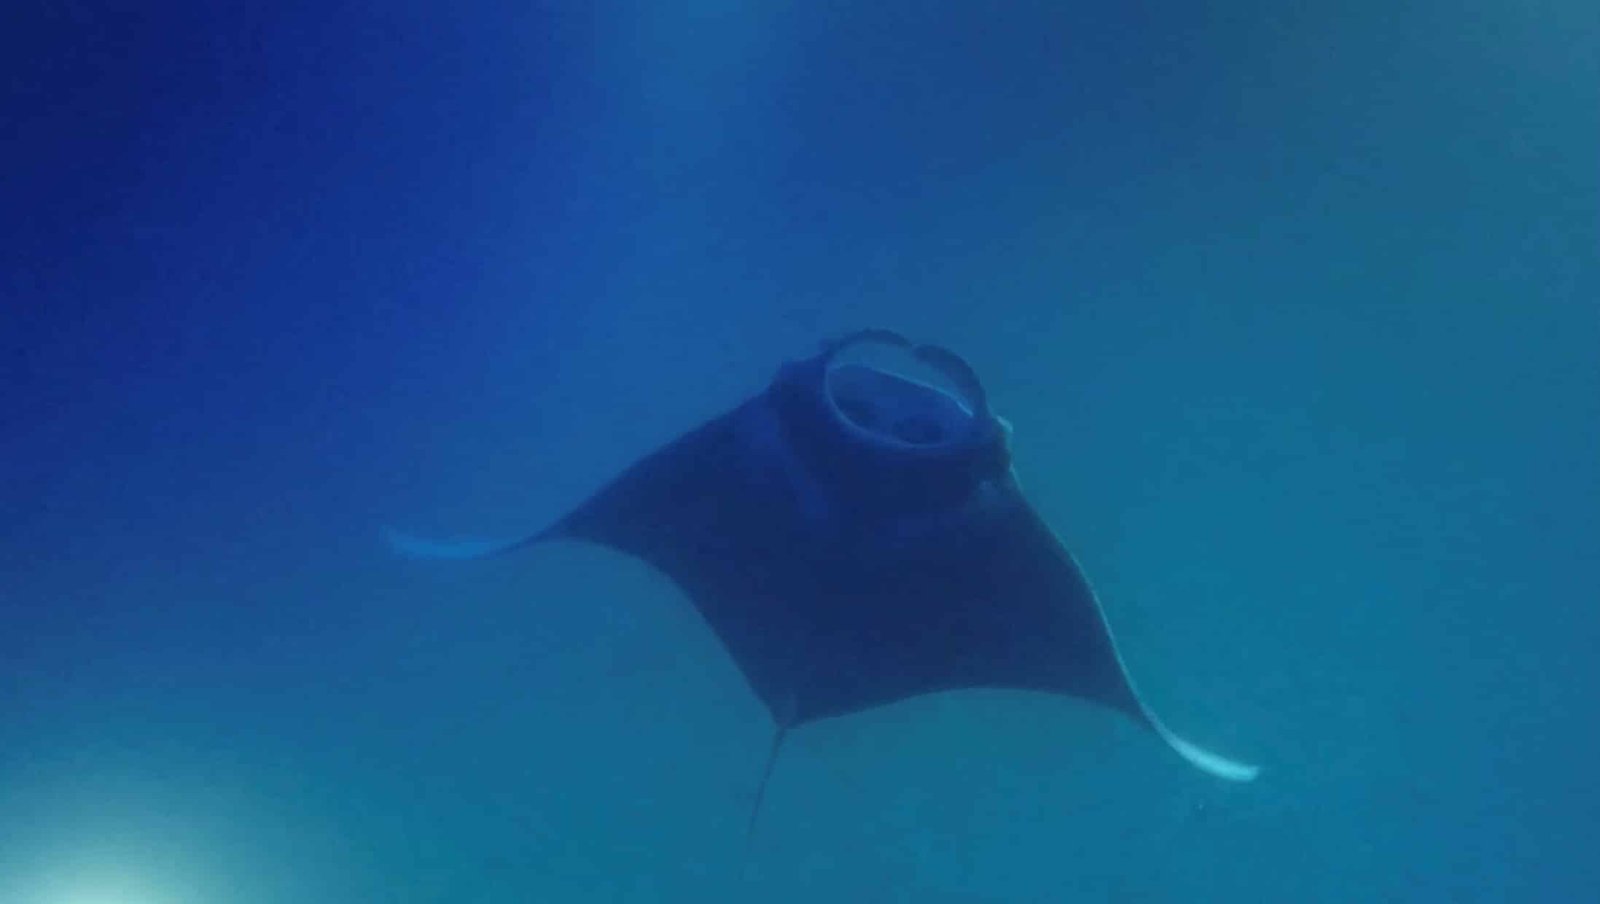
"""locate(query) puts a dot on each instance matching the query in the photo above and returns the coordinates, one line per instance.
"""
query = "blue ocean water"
(1295, 310)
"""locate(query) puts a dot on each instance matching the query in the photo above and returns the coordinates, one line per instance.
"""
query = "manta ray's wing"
(728, 515)
(1069, 646)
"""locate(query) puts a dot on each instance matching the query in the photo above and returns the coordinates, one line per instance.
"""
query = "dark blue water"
(1295, 312)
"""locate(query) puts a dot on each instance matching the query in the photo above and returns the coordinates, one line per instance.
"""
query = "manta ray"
(854, 537)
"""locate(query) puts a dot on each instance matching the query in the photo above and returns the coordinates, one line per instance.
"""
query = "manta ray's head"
(865, 421)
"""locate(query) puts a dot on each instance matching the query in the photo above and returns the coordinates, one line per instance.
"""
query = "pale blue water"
(1295, 312)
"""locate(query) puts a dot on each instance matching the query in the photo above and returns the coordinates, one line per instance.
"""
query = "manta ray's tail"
(766, 775)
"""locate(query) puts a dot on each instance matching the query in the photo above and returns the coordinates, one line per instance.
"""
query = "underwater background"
(1294, 307)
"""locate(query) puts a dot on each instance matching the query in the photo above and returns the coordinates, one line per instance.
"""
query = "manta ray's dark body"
(855, 537)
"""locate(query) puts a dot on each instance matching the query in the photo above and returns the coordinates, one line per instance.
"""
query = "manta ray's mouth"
(881, 388)
(896, 409)
(912, 430)
(876, 415)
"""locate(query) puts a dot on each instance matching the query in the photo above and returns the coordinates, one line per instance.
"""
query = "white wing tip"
(1210, 763)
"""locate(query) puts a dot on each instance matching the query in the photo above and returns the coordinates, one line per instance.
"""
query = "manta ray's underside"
(855, 537)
